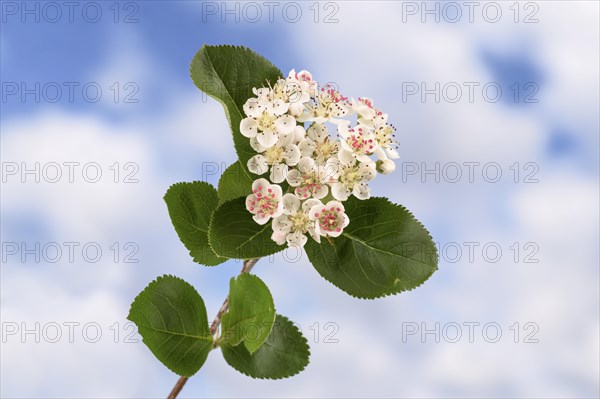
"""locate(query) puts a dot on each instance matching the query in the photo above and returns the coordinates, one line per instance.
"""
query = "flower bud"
(385, 166)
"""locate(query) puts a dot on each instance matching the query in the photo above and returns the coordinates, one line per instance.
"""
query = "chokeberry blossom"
(265, 201)
(348, 175)
(288, 127)
(309, 179)
(292, 226)
(317, 144)
(330, 218)
(266, 121)
(277, 158)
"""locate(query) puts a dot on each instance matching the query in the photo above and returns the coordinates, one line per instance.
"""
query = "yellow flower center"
(274, 154)
(266, 122)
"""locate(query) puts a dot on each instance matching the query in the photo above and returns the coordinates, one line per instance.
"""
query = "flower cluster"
(289, 126)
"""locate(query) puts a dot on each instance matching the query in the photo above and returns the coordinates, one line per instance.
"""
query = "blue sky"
(173, 133)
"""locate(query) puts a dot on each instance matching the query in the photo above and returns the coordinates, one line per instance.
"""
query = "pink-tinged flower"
(295, 222)
(265, 201)
(359, 141)
(330, 219)
(326, 106)
(368, 114)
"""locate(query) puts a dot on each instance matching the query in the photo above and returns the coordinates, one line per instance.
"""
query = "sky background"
(541, 133)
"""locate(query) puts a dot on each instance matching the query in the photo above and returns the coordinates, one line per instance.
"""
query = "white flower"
(278, 157)
(265, 201)
(384, 136)
(348, 176)
(359, 141)
(295, 222)
(309, 179)
(317, 144)
(266, 121)
(306, 78)
(368, 114)
(330, 219)
(326, 106)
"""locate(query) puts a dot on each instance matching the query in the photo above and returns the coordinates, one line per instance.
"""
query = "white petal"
(285, 124)
(267, 139)
(279, 237)
(346, 157)
(258, 164)
(318, 231)
(318, 132)
(313, 233)
(309, 203)
(278, 173)
(281, 224)
(343, 130)
(321, 192)
(260, 186)
(291, 155)
(296, 239)
(367, 170)
(332, 169)
(299, 133)
(261, 219)
(255, 145)
(253, 107)
(346, 220)
(294, 177)
(278, 107)
(279, 210)
(316, 210)
(339, 191)
(306, 164)
(335, 205)
(336, 109)
(285, 139)
(275, 189)
(307, 147)
(361, 191)
(249, 200)
(305, 117)
(334, 233)
(296, 108)
(248, 127)
(392, 153)
(291, 204)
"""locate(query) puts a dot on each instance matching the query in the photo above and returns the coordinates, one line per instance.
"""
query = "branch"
(248, 265)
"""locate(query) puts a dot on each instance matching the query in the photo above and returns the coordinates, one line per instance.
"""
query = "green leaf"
(384, 250)
(190, 207)
(251, 312)
(228, 74)
(234, 234)
(171, 319)
(234, 183)
(285, 353)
